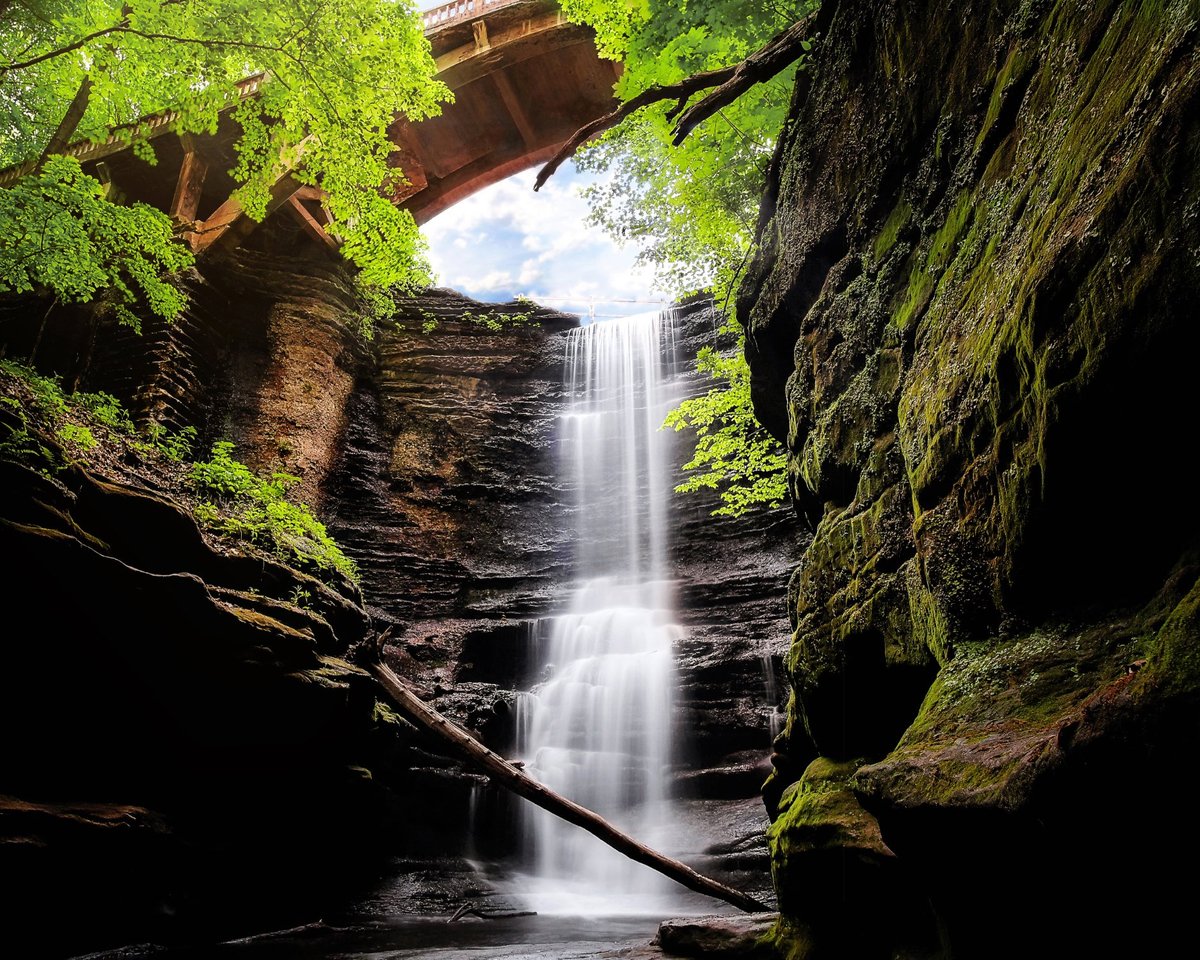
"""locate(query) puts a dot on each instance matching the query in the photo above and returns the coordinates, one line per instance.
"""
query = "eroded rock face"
(972, 320)
(446, 490)
(449, 496)
(173, 725)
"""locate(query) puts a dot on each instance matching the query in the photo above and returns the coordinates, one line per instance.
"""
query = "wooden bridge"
(524, 80)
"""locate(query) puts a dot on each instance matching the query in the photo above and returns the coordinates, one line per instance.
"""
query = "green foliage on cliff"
(733, 453)
(45, 427)
(48, 429)
(692, 208)
(242, 504)
(337, 70)
(59, 233)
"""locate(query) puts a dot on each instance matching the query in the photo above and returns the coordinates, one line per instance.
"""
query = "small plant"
(77, 436)
(106, 409)
(174, 445)
(300, 597)
(47, 391)
(243, 504)
(497, 320)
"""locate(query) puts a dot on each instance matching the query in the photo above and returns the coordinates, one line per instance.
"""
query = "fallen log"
(520, 783)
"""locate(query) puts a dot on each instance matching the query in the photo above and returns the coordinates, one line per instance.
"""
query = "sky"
(507, 240)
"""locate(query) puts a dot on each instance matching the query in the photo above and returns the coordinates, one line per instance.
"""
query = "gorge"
(962, 657)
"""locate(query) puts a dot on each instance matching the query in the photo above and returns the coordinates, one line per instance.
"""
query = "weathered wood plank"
(190, 184)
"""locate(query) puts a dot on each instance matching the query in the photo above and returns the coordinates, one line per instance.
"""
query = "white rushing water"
(597, 729)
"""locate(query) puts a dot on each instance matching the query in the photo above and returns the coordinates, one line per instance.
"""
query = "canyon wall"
(449, 494)
(209, 735)
(972, 318)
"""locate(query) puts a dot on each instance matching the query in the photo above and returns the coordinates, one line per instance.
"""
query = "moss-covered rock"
(972, 318)
(824, 832)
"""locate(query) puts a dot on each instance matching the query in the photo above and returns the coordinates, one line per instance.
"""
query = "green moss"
(1173, 657)
(924, 274)
(789, 939)
(897, 220)
(926, 617)
(1014, 67)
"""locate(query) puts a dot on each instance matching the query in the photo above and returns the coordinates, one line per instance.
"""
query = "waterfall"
(597, 729)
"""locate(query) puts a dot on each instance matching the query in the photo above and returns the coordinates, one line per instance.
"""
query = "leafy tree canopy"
(692, 207)
(83, 69)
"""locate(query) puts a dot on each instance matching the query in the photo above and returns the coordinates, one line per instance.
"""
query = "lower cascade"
(597, 729)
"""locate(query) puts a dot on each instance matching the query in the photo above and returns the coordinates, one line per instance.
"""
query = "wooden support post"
(479, 29)
(512, 103)
(520, 783)
(190, 185)
(104, 175)
(309, 222)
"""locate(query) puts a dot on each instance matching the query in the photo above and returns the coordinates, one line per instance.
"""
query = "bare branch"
(757, 68)
(680, 92)
(731, 82)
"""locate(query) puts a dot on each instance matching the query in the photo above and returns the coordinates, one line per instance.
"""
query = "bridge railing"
(119, 138)
(460, 10)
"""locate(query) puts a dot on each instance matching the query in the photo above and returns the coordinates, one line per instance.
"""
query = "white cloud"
(482, 246)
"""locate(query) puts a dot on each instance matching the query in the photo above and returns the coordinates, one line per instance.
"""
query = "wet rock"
(733, 937)
(446, 493)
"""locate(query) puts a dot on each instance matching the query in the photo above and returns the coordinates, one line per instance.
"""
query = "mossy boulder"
(972, 318)
(833, 870)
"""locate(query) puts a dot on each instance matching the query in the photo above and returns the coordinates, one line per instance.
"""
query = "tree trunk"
(61, 139)
(524, 785)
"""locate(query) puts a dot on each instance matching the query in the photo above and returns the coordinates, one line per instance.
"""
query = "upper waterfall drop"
(598, 729)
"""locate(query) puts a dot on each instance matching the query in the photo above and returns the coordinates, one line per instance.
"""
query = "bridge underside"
(524, 80)
(521, 89)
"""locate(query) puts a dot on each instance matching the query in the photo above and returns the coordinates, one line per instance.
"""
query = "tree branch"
(61, 138)
(730, 82)
(757, 68)
(512, 777)
(680, 92)
(61, 51)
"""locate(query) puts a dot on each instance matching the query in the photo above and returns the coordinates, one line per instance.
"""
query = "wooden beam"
(316, 194)
(512, 103)
(479, 28)
(520, 783)
(308, 222)
(458, 67)
(190, 184)
(228, 225)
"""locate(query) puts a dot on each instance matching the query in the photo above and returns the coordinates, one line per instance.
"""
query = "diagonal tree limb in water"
(730, 82)
(520, 783)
